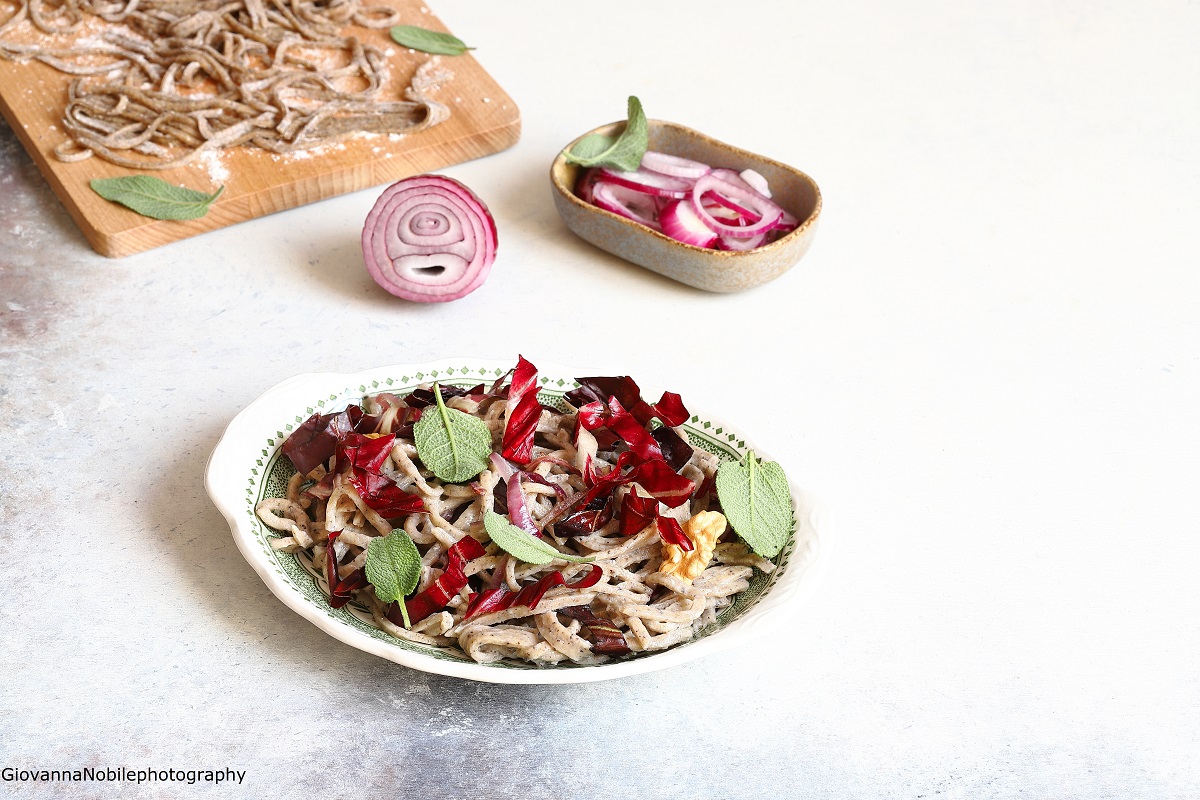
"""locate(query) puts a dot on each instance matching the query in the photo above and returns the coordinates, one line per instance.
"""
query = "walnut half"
(703, 529)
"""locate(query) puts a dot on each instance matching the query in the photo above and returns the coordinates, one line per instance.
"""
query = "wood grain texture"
(484, 120)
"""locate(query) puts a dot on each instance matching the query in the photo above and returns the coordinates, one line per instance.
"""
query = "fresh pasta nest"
(610, 483)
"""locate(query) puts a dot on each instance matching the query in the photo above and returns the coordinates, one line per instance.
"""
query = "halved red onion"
(680, 222)
(674, 165)
(647, 182)
(429, 239)
(768, 212)
(626, 202)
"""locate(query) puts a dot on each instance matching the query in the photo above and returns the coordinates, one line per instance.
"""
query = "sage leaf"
(153, 197)
(624, 152)
(757, 502)
(454, 445)
(522, 545)
(590, 146)
(428, 41)
(393, 567)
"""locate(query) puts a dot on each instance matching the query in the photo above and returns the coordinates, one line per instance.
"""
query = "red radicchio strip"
(383, 496)
(523, 412)
(311, 444)
(671, 533)
(533, 477)
(676, 452)
(341, 590)
(663, 483)
(669, 408)
(587, 520)
(422, 398)
(531, 593)
(364, 452)
(637, 511)
(490, 600)
(607, 638)
(614, 416)
(365, 456)
(435, 596)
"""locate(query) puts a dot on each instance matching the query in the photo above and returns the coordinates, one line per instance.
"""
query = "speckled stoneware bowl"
(247, 466)
(713, 270)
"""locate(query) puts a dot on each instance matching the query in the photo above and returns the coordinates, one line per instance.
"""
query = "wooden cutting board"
(483, 120)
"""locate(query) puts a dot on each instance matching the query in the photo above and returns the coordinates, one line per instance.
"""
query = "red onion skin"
(429, 239)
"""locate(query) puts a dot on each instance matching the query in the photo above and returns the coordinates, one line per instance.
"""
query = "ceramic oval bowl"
(712, 270)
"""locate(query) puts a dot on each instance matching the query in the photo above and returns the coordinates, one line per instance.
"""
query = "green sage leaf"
(393, 567)
(624, 152)
(454, 445)
(757, 502)
(428, 41)
(524, 546)
(153, 197)
(590, 146)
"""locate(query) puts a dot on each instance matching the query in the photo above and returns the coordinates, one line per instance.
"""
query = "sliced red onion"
(502, 465)
(741, 245)
(429, 239)
(734, 177)
(583, 186)
(674, 165)
(518, 512)
(648, 182)
(757, 182)
(741, 215)
(680, 222)
(768, 212)
(627, 203)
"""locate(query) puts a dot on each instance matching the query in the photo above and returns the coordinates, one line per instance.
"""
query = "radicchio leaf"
(530, 595)
(383, 496)
(523, 412)
(422, 398)
(637, 511)
(607, 638)
(587, 520)
(364, 456)
(672, 533)
(364, 452)
(663, 483)
(311, 444)
(435, 596)
(669, 408)
(341, 590)
(613, 416)
(676, 452)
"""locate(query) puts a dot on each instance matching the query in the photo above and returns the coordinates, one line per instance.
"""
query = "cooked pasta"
(159, 82)
(622, 602)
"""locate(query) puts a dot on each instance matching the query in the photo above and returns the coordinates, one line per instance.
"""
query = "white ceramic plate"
(247, 465)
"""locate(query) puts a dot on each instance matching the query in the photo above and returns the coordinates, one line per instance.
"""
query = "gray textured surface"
(992, 369)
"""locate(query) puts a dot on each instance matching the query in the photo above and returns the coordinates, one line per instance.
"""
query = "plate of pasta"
(513, 523)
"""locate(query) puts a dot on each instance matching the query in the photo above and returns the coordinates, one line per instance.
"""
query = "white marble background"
(989, 364)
